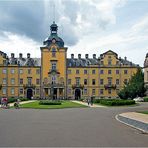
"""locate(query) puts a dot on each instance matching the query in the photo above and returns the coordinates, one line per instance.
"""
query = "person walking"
(91, 100)
(88, 101)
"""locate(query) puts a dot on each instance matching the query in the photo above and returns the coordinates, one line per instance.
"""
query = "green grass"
(143, 112)
(65, 104)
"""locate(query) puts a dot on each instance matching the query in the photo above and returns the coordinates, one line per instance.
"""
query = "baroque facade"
(56, 76)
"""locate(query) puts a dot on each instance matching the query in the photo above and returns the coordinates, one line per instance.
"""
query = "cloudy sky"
(86, 26)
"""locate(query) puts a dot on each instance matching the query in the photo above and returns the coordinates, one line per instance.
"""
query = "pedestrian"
(17, 104)
(92, 100)
(2, 102)
(88, 101)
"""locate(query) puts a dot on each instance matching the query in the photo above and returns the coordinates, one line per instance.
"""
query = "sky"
(86, 26)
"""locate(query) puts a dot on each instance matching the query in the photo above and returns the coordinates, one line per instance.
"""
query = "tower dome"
(54, 37)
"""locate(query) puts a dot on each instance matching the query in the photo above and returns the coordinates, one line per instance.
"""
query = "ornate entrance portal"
(77, 94)
(29, 93)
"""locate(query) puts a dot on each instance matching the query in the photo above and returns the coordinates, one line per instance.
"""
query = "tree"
(135, 86)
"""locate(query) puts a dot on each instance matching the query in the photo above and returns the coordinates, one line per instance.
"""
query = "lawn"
(143, 112)
(65, 104)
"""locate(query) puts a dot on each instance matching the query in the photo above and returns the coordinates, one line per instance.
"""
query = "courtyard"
(69, 127)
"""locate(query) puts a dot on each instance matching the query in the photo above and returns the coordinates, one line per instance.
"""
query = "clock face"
(53, 41)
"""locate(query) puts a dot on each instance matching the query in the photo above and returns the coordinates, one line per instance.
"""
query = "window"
(12, 91)
(101, 91)
(37, 81)
(85, 91)
(85, 81)
(21, 71)
(37, 91)
(117, 91)
(69, 91)
(4, 91)
(93, 71)
(21, 91)
(4, 81)
(109, 72)
(109, 91)
(93, 81)
(53, 66)
(38, 71)
(109, 81)
(69, 81)
(53, 52)
(101, 71)
(102, 63)
(93, 91)
(53, 79)
(125, 81)
(12, 81)
(4, 71)
(77, 71)
(4, 62)
(29, 71)
(125, 71)
(29, 81)
(117, 82)
(21, 81)
(69, 72)
(77, 81)
(101, 81)
(117, 71)
(117, 62)
(109, 62)
(12, 71)
(85, 71)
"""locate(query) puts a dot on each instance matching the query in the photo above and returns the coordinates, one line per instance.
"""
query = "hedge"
(117, 102)
(114, 102)
(48, 102)
(145, 99)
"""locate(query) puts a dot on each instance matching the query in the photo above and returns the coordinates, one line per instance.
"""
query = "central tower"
(53, 66)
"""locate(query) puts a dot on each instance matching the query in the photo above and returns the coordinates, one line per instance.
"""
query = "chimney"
(28, 55)
(125, 58)
(94, 56)
(12, 55)
(20, 55)
(79, 56)
(72, 56)
(86, 56)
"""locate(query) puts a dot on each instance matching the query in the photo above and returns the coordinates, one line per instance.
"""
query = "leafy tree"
(135, 86)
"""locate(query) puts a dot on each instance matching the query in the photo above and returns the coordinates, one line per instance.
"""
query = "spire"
(53, 28)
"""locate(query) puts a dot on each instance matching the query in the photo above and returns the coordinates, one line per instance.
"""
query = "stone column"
(63, 94)
(58, 93)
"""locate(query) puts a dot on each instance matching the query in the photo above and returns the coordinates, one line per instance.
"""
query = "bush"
(116, 102)
(145, 99)
(11, 100)
(48, 102)
(23, 99)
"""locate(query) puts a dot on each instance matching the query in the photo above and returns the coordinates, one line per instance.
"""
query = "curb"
(133, 123)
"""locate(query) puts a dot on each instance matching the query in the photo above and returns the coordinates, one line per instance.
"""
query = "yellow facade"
(56, 76)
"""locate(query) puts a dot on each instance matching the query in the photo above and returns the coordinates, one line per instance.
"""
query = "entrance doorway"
(54, 93)
(29, 93)
(77, 94)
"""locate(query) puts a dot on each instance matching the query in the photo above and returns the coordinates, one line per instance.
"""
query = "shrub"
(23, 99)
(145, 99)
(11, 100)
(48, 102)
(116, 102)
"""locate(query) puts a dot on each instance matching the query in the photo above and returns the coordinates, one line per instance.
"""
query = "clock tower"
(53, 66)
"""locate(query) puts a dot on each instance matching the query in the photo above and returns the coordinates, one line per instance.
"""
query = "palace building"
(58, 77)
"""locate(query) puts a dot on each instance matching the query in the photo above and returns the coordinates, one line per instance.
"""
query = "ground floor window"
(85, 91)
(12, 91)
(37, 91)
(101, 91)
(4, 91)
(21, 91)
(93, 91)
(109, 91)
(69, 91)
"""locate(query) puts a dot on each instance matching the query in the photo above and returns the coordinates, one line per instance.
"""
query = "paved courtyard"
(69, 127)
